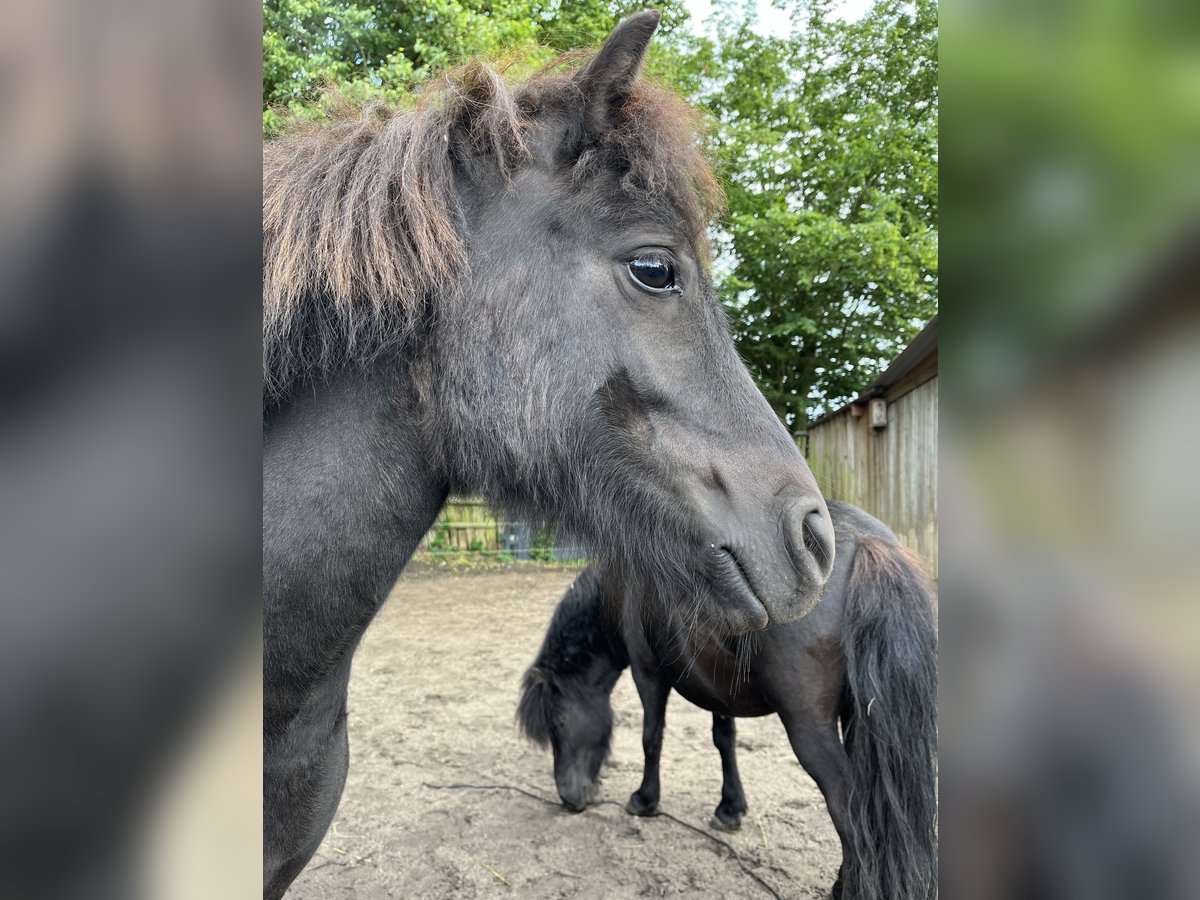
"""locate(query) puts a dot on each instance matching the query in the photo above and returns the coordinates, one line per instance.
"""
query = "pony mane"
(577, 633)
(362, 227)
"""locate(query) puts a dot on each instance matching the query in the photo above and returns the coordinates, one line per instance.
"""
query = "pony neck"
(349, 453)
(609, 638)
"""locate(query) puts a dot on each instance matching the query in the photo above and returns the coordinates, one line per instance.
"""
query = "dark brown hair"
(360, 214)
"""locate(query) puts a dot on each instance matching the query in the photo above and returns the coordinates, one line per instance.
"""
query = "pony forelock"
(537, 707)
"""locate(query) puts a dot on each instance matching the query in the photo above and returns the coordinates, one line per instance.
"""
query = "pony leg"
(654, 692)
(821, 754)
(728, 815)
(304, 772)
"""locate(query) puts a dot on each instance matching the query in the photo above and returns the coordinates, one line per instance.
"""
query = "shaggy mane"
(361, 223)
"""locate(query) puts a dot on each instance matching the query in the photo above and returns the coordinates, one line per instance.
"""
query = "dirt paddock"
(431, 702)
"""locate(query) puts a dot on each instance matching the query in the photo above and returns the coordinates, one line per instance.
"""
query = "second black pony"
(864, 658)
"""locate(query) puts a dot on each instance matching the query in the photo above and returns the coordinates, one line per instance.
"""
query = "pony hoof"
(639, 806)
(725, 821)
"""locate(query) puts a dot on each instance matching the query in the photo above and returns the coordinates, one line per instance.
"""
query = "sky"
(771, 19)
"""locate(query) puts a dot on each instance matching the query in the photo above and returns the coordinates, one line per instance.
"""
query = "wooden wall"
(890, 472)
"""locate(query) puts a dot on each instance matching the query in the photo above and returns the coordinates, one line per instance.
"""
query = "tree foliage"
(829, 139)
(826, 138)
(385, 47)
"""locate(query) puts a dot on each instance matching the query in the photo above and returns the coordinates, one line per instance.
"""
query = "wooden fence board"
(890, 472)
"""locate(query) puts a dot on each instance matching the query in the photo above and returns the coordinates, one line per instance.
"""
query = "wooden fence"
(468, 525)
(890, 472)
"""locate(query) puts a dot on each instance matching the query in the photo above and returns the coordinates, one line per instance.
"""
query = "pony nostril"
(818, 540)
(810, 540)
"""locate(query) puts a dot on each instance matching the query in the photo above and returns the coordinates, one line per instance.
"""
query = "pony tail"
(890, 726)
(536, 709)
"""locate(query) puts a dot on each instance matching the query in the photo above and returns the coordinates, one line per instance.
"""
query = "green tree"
(384, 47)
(829, 143)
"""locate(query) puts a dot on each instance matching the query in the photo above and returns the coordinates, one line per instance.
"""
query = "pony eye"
(654, 273)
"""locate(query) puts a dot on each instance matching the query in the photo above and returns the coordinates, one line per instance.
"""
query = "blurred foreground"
(1070, 493)
(129, 441)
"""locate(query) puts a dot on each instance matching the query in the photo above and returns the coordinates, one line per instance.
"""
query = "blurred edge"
(129, 448)
(1070, 493)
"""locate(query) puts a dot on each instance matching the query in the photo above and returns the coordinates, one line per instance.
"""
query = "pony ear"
(535, 712)
(607, 80)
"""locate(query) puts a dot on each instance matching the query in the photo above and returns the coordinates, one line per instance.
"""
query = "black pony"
(865, 658)
(501, 290)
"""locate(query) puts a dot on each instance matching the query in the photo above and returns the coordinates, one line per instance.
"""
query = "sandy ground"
(432, 699)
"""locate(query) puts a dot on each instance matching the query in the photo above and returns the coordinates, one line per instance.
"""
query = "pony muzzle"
(576, 793)
(774, 563)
